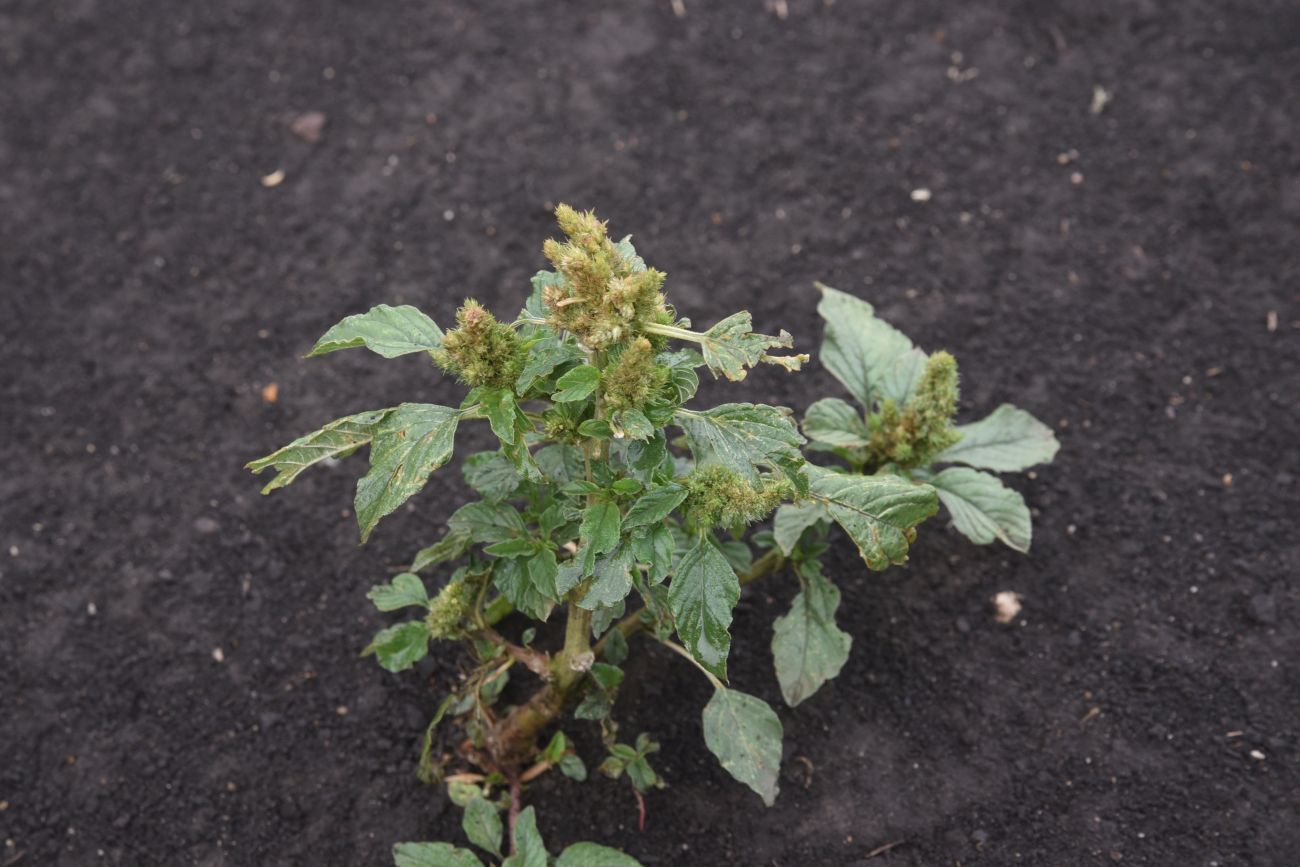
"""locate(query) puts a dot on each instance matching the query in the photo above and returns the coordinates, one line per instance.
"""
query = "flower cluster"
(481, 350)
(447, 609)
(719, 497)
(911, 436)
(607, 294)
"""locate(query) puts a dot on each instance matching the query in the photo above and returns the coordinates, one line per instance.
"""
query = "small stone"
(963, 625)
(218, 654)
(308, 126)
(274, 179)
(1006, 606)
(1257, 755)
(920, 194)
(207, 526)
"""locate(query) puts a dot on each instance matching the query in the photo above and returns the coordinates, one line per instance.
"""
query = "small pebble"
(1006, 606)
(308, 126)
(218, 654)
(207, 526)
(921, 194)
(274, 179)
(1257, 755)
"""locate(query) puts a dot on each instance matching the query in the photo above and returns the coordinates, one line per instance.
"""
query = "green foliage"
(389, 331)
(904, 427)
(745, 734)
(593, 506)
(807, 647)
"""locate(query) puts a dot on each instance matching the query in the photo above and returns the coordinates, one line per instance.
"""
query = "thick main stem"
(513, 740)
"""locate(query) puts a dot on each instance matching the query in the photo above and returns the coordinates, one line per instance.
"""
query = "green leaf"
(858, 349)
(627, 487)
(809, 649)
(654, 505)
(731, 346)
(589, 854)
(573, 768)
(492, 474)
(835, 422)
(607, 676)
(681, 372)
(633, 425)
(1006, 440)
(878, 512)
(738, 555)
(612, 580)
(604, 617)
(409, 444)
(405, 589)
(338, 439)
(389, 331)
(511, 548)
(482, 825)
(529, 849)
(593, 707)
(703, 592)
(656, 549)
(743, 437)
(577, 384)
(399, 647)
(542, 359)
(433, 855)
(902, 377)
(625, 249)
(487, 522)
(542, 569)
(983, 509)
(597, 428)
(449, 547)
(615, 650)
(515, 582)
(600, 528)
(745, 734)
(502, 413)
(792, 519)
(560, 463)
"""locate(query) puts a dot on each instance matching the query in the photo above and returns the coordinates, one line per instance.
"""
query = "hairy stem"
(574, 659)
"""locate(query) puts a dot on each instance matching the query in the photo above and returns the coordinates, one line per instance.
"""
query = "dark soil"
(1112, 272)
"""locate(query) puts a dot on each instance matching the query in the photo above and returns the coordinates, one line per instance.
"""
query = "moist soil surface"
(180, 673)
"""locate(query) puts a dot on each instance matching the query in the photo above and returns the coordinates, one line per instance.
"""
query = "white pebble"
(1006, 605)
(1257, 755)
(218, 655)
(920, 194)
